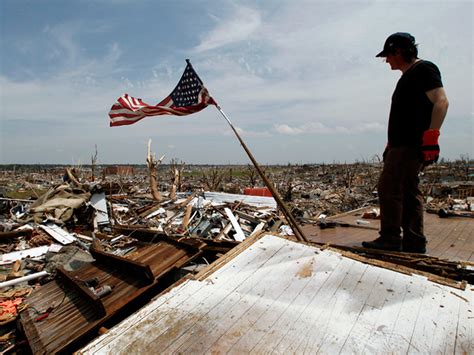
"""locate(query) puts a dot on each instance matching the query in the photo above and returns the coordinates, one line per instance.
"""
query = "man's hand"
(430, 147)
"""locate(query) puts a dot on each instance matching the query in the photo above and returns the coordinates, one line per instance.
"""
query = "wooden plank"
(329, 323)
(307, 315)
(106, 341)
(464, 342)
(259, 321)
(138, 269)
(386, 317)
(239, 234)
(231, 254)
(242, 309)
(409, 312)
(287, 323)
(128, 335)
(258, 253)
(445, 334)
(366, 320)
(421, 338)
(349, 316)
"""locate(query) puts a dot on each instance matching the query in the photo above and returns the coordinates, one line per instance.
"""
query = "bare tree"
(71, 176)
(176, 171)
(152, 164)
(348, 175)
(464, 163)
(252, 174)
(288, 190)
(213, 178)
(94, 163)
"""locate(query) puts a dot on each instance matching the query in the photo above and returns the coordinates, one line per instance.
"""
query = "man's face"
(395, 60)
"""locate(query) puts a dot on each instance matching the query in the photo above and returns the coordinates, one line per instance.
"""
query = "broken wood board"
(11, 257)
(256, 201)
(59, 234)
(99, 203)
(239, 234)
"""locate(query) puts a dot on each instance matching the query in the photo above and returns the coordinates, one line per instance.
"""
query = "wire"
(51, 308)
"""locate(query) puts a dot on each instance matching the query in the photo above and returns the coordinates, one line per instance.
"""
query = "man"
(419, 106)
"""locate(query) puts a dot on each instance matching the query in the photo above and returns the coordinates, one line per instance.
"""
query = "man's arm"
(440, 106)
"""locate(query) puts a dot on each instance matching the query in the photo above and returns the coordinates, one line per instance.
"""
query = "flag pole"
(291, 220)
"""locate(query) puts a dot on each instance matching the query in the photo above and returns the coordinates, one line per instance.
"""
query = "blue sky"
(298, 78)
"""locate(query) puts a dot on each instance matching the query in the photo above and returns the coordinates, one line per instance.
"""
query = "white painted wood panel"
(252, 298)
(285, 297)
(257, 282)
(290, 323)
(348, 316)
(464, 337)
(260, 321)
(406, 315)
(366, 321)
(323, 301)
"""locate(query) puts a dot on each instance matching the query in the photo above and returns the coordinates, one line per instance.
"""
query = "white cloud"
(247, 133)
(237, 26)
(64, 47)
(285, 129)
(320, 128)
(278, 70)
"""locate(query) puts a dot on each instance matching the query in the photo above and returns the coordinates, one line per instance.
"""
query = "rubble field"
(83, 247)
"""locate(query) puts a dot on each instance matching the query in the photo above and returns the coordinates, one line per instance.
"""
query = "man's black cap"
(399, 40)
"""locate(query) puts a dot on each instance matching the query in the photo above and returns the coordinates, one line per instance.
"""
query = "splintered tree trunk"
(152, 165)
(71, 178)
(176, 171)
(175, 184)
(94, 163)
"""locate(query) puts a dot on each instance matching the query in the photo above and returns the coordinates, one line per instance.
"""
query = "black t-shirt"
(410, 113)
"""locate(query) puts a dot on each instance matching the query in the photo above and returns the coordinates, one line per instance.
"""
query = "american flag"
(189, 96)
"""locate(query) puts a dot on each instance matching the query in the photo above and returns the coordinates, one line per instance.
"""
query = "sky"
(298, 79)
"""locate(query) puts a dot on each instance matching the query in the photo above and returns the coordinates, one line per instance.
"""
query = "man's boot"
(414, 245)
(384, 243)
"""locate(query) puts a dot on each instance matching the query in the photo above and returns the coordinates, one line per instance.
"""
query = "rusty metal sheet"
(74, 318)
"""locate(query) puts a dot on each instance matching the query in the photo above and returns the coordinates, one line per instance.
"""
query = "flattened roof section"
(286, 297)
(450, 238)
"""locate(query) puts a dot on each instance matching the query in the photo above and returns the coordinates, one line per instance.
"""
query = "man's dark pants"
(401, 201)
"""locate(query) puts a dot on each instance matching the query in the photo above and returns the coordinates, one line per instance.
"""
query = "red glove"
(430, 147)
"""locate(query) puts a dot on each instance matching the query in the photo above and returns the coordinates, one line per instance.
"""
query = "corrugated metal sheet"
(75, 317)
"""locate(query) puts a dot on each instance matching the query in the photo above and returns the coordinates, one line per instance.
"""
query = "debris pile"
(76, 226)
(73, 243)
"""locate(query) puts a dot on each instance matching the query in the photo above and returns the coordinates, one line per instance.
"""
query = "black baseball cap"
(399, 40)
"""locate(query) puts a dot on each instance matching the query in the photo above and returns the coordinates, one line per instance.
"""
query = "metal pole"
(23, 279)
(291, 220)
